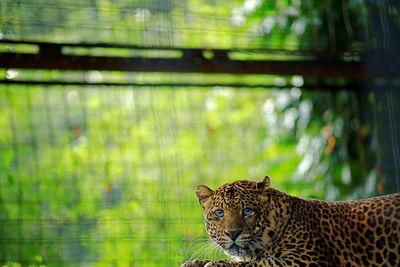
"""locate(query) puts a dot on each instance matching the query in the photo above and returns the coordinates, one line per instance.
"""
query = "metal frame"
(355, 65)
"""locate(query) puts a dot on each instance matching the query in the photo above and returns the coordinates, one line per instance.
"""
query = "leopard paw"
(217, 264)
(195, 263)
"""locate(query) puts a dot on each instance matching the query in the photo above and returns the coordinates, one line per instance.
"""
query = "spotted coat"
(260, 226)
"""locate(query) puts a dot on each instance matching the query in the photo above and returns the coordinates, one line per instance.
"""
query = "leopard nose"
(233, 234)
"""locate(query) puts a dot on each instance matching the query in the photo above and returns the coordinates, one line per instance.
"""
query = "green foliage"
(106, 176)
(109, 174)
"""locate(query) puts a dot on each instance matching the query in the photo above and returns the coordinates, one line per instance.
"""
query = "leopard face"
(239, 217)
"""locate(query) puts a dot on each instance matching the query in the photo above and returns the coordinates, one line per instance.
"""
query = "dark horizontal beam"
(327, 54)
(316, 68)
(50, 56)
(308, 86)
(301, 52)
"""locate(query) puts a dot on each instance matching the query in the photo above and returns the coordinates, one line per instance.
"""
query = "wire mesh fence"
(321, 25)
(100, 175)
(106, 176)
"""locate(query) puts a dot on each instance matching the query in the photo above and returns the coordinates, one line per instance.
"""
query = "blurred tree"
(105, 176)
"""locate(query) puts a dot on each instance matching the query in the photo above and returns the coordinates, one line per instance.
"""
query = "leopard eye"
(247, 212)
(219, 214)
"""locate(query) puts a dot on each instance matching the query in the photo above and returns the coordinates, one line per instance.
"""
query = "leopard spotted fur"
(260, 226)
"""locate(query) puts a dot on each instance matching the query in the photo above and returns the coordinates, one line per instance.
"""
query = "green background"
(105, 175)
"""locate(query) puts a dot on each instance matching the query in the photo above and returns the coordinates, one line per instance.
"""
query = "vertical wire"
(161, 164)
(171, 128)
(314, 30)
(198, 113)
(122, 127)
(177, 160)
(331, 25)
(173, 95)
(3, 208)
(160, 23)
(384, 25)
(61, 32)
(129, 162)
(375, 134)
(70, 179)
(91, 153)
(94, 161)
(15, 166)
(19, 198)
(83, 96)
(36, 167)
(47, 92)
(171, 162)
(19, 25)
(357, 121)
(84, 166)
(393, 136)
(143, 31)
(107, 143)
(363, 10)
(118, 102)
(136, 94)
(47, 96)
(41, 24)
(20, 220)
(347, 21)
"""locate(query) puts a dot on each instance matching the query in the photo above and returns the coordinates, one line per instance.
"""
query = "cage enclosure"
(111, 112)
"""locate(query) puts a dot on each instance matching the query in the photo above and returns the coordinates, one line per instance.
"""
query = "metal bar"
(138, 47)
(333, 54)
(314, 86)
(317, 68)
(51, 56)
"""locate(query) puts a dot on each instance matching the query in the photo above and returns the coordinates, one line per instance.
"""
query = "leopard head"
(240, 217)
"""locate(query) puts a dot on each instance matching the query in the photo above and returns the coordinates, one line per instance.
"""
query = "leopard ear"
(203, 193)
(264, 185)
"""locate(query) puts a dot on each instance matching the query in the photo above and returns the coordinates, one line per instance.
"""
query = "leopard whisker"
(252, 250)
(203, 250)
(200, 248)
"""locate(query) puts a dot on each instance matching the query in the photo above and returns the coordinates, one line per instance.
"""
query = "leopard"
(259, 226)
